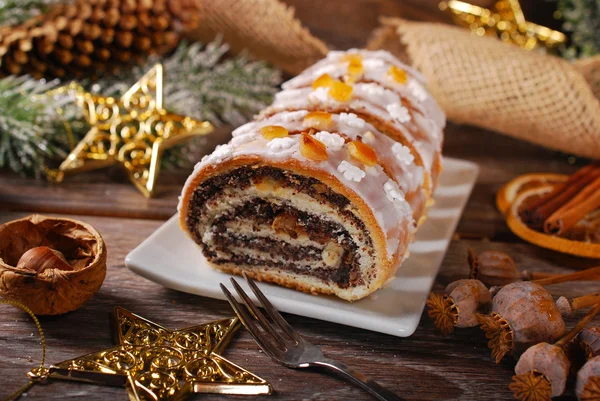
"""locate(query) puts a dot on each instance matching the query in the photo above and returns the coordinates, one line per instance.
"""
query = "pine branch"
(13, 12)
(28, 126)
(200, 81)
(582, 20)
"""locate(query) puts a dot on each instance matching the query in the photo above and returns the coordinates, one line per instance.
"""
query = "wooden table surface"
(425, 366)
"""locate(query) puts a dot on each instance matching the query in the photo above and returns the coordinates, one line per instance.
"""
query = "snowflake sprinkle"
(417, 90)
(280, 143)
(398, 112)
(395, 195)
(333, 142)
(351, 120)
(403, 153)
(351, 172)
(319, 95)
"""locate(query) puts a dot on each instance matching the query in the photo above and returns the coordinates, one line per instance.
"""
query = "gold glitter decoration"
(155, 363)
(505, 20)
(132, 131)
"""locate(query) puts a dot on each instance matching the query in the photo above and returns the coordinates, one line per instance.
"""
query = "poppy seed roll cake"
(323, 200)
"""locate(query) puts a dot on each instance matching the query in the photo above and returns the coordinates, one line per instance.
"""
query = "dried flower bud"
(41, 258)
(493, 268)
(523, 314)
(587, 387)
(541, 373)
(458, 307)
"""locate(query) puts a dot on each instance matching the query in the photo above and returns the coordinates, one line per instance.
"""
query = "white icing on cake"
(351, 172)
(417, 132)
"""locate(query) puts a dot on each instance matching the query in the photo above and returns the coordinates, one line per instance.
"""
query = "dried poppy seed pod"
(568, 306)
(590, 340)
(461, 301)
(523, 314)
(587, 387)
(542, 371)
(493, 268)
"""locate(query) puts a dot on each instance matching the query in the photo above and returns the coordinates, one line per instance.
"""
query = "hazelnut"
(41, 258)
(48, 282)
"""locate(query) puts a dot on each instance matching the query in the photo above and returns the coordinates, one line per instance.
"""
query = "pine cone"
(90, 37)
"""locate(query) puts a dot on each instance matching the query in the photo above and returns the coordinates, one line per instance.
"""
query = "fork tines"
(269, 338)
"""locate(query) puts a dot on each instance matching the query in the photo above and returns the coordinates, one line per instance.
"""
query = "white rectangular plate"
(169, 258)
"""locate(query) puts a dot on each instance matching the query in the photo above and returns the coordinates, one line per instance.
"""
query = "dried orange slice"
(509, 192)
(585, 248)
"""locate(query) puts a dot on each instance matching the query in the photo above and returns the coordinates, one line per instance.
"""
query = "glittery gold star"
(132, 131)
(155, 363)
(505, 20)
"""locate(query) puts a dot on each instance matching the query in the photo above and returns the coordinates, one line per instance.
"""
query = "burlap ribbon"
(477, 80)
(266, 28)
(484, 82)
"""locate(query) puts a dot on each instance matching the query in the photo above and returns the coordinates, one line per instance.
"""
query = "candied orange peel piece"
(355, 66)
(312, 148)
(398, 74)
(363, 153)
(324, 80)
(318, 119)
(340, 91)
(273, 131)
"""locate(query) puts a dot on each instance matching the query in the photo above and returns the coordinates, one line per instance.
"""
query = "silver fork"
(289, 348)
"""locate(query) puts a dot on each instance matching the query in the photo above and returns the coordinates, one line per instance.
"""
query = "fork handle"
(377, 390)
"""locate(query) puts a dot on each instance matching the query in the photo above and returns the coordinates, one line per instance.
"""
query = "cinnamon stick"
(578, 327)
(570, 213)
(592, 273)
(538, 212)
(585, 301)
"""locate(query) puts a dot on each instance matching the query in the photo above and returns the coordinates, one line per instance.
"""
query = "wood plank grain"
(424, 366)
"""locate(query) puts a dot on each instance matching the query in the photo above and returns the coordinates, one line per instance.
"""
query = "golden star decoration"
(132, 131)
(507, 21)
(155, 363)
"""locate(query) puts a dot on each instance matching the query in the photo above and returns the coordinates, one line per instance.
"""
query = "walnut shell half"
(52, 291)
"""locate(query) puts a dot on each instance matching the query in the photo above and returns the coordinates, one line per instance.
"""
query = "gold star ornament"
(132, 131)
(155, 363)
(505, 20)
